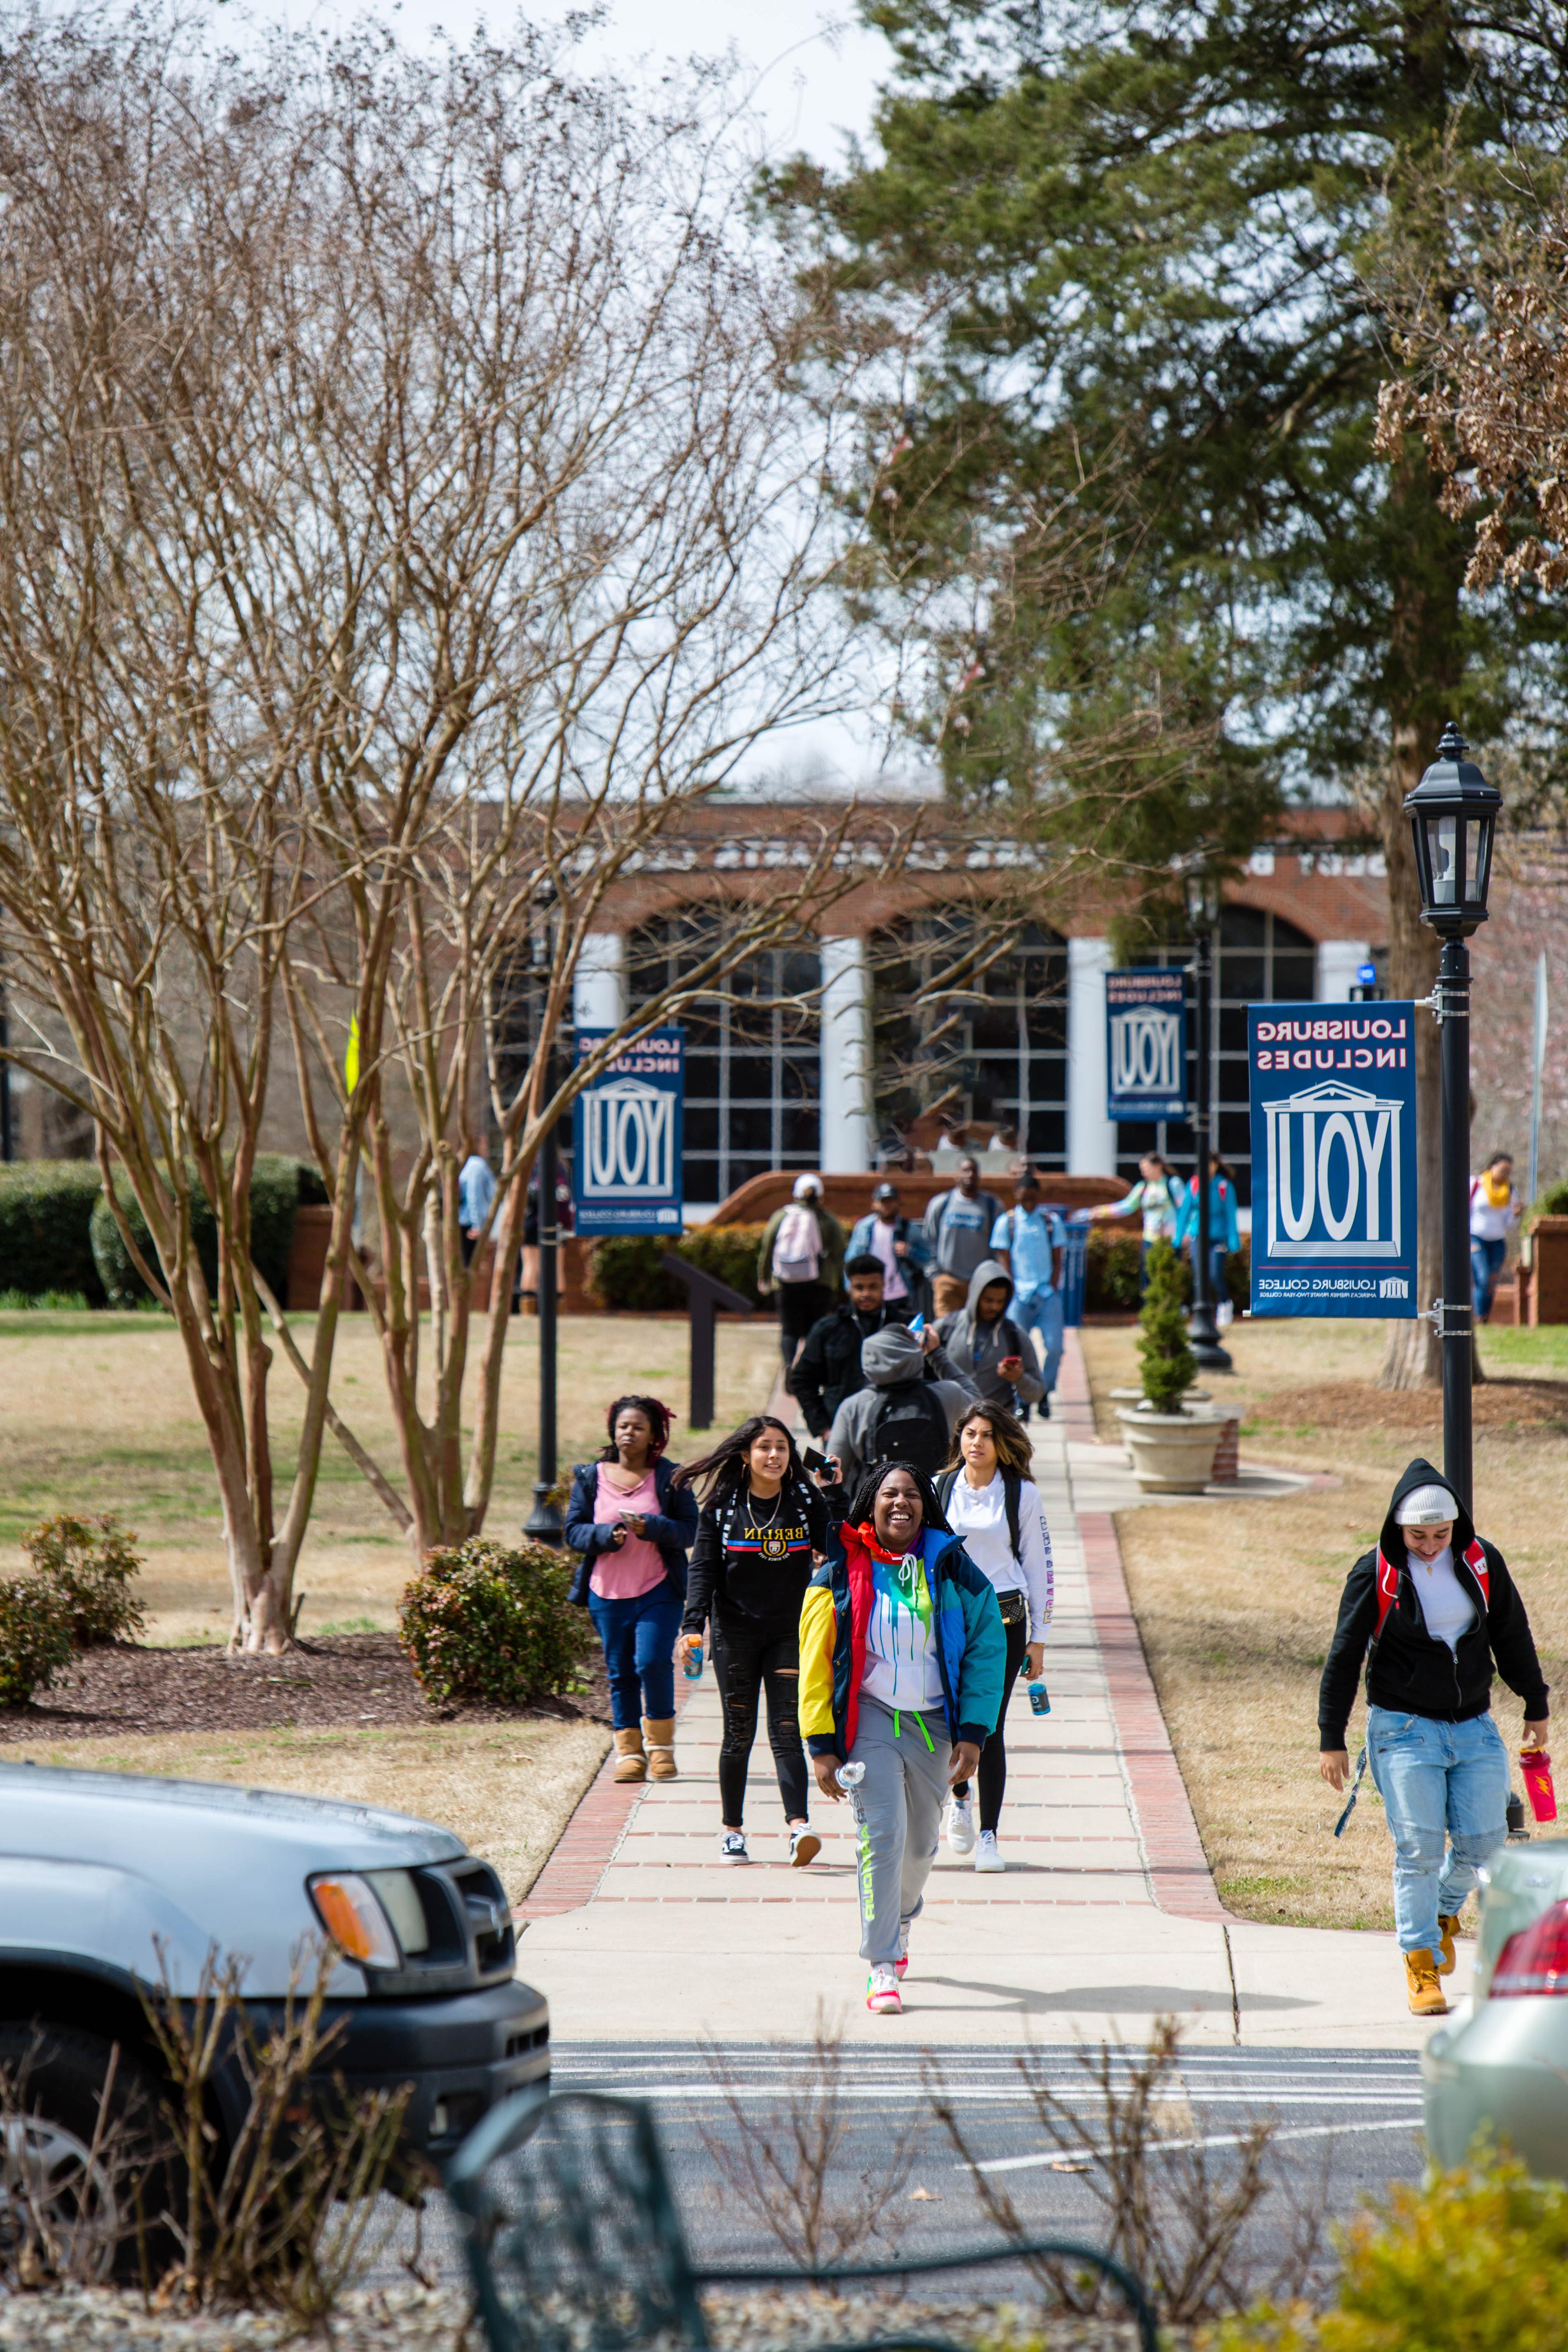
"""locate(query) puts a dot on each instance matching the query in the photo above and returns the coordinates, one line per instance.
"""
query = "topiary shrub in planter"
(46, 1228)
(484, 1622)
(276, 1190)
(89, 1565)
(1170, 1366)
(34, 1638)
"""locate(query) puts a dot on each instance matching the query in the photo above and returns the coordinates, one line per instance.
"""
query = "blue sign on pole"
(627, 1138)
(1332, 1091)
(1146, 1044)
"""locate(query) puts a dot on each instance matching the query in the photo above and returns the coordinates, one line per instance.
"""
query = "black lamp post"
(1202, 908)
(1453, 812)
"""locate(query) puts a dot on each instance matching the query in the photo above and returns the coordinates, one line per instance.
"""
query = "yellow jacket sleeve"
(816, 1639)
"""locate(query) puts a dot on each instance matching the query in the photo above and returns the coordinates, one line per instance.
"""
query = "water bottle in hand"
(849, 1776)
(694, 1668)
(1040, 1698)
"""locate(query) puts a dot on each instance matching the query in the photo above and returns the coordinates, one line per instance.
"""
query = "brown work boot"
(1422, 1985)
(1447, 1928)
(660, 1738)
(631, 1764)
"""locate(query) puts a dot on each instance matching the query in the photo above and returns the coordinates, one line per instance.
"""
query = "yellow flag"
(351, 1060)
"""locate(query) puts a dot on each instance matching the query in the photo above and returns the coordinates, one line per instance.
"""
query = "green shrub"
(1473, 2260)
(34, 1637)
(46, 1228)
(1170, 1366)
(729, 1252)
(89, 1564)
(625, 1270)
(483, 1623)
(42, 1302)
(1551, 1203)
(1113, 1271)
(275, 1194)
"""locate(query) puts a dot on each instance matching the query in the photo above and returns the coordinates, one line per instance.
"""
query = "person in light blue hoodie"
(1224, 1238)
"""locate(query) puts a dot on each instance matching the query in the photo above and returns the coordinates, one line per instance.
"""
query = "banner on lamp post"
(1333, 1093)
(1146, 1044)
(627, 1138)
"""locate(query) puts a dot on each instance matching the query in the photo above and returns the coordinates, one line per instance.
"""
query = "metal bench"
(576, 2243)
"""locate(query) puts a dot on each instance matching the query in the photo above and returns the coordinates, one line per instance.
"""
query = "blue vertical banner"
(627, 1137)
(1332, 1092)
(1146, 1044)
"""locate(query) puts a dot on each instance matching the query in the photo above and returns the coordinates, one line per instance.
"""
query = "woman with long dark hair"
(633, 1526)
(992, 1504)
(901, 1653)
(761, 1526)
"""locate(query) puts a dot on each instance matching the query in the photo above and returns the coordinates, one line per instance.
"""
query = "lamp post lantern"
(1203, 910)
(1453, 814)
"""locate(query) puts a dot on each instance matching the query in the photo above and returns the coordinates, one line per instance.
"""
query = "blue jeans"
(1486, 1264)
(1041, 1311)
(638, 1639)
(1445, 1789)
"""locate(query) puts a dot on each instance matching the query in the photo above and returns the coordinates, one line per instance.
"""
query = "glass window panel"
(751, 1077)
(751, 1130)
(801, 1131)
(993, 1026)
(1242, 979)
(1047, 1136)
(797, 1081)
(1295, 980)
(1233, 1029)
(1242, 926)
(1046, 1022)
(701, 1077)
(702, 1129)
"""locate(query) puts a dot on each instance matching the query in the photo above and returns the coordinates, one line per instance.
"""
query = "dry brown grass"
(1237, 1601)
(97, 1414)
(506, 1789)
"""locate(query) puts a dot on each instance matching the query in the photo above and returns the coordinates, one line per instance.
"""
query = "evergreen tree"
(1170, 1366)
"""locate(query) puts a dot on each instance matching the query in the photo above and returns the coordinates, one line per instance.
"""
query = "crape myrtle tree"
(403, 523)
(1159, 233)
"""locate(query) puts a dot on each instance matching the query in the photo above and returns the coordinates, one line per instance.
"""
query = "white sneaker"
(882, 1988)
(902, 1962)
(805, 1845)
(985, 1854)
(959, 1824)
(733, 1846)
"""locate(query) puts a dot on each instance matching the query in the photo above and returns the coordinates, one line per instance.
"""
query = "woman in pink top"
(633, 1527)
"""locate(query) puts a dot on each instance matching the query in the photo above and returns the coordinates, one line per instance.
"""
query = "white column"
(1091, 1135)
(599, 983)
(845, 1066)
(1337, 964)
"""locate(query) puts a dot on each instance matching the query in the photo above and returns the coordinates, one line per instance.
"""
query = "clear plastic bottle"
(849, 1776)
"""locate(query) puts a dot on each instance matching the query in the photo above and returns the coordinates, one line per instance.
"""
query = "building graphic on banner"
(1146, 1044)
(1333, 1225)
(626, 1158)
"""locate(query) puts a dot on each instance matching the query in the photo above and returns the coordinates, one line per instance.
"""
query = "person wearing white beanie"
(1431, 1610)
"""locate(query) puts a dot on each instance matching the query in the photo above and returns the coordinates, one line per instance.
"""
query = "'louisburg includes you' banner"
(1146, 1044)
(627, 1134)
(1334, 1159)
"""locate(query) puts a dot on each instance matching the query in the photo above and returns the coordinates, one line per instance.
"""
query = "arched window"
(983, 1037)
(751, 1058)
(1262, 959)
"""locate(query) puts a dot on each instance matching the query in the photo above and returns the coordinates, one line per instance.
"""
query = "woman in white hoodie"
(994, 1507)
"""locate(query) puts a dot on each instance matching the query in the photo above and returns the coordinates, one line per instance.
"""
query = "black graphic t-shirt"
(754, 1558)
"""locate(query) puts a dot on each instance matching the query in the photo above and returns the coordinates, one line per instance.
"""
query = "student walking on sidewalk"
(1431, 1609)
(901, 1653)
(993, 1505)
(762, 1530)
(632, 1524)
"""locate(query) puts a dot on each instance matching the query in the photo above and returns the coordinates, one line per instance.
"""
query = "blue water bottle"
(1040, 1698)
(694, 1668)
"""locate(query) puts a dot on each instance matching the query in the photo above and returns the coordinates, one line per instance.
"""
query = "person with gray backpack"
(906, 1412)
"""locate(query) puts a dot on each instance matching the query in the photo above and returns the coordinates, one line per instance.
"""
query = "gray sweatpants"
(897, 1817)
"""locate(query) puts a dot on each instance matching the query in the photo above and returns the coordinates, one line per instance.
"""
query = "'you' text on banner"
(627, 1137)
(1332, 1090)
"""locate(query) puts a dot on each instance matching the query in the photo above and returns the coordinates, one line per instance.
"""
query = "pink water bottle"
(1535, 1764)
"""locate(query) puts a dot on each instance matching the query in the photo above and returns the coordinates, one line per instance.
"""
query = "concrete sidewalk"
(1106, 1916)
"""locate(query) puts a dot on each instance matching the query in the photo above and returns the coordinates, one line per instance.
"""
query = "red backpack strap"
(1475, 1562)
(1387, 1587)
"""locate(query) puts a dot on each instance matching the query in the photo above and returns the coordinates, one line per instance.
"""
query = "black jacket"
(736, 1585)
(1409, 1669)
(670, 1533)
(828, 1368)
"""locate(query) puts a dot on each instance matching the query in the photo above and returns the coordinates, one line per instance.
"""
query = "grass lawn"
(1236, 1601)
(507, 1789)
(97, 1414)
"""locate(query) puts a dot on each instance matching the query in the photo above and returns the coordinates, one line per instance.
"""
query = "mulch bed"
(339, 1679)
(1354, 1404)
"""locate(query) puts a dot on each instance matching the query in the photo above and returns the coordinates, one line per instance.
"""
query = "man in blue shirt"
(476, 1193)
(1031, 1243)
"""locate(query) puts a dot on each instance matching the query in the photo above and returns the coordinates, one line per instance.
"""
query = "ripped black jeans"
(751, 1655)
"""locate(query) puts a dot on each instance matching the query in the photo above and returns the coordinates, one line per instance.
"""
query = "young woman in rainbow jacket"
(902, 1658)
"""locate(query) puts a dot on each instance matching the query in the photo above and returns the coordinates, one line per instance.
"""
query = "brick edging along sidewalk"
(586, 1846)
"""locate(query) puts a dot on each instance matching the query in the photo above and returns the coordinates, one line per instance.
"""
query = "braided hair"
(660, 1418)
(862, 1502)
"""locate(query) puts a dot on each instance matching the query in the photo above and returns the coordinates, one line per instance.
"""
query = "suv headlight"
(347, 1908)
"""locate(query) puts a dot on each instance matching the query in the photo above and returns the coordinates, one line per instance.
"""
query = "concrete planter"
(1134, 1396)
(1171, 1452)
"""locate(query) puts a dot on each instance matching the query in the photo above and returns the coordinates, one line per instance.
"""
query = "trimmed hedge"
(46, 1227)
(625, 1272)
(277, 1187)
(1551, 1203)
(493, 1625)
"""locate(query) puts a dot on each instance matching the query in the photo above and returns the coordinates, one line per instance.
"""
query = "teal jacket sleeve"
(984, 1654)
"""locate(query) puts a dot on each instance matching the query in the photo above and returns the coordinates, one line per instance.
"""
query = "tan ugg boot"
(631, 1764)
(1421, 1983)
(1447, 1928)
(660, 1738)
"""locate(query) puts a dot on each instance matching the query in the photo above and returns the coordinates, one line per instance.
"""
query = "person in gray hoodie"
(985, 1344)
(907, 1412)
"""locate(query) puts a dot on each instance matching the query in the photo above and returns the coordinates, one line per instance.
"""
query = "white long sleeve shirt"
(1446, 1608)
(978, 1516)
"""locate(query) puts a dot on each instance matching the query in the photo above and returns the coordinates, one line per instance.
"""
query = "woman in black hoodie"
(1432, 1610)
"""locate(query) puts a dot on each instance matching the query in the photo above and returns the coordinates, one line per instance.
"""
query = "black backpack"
(910, 1425)
(1012, 1489)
